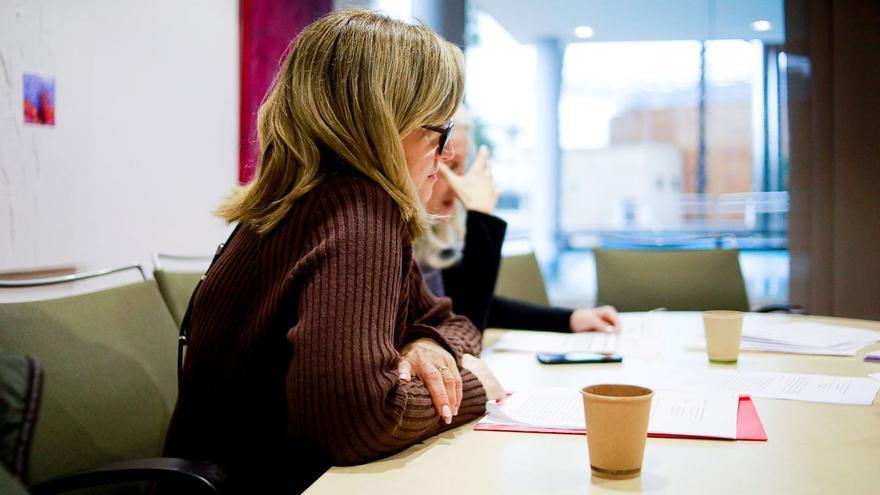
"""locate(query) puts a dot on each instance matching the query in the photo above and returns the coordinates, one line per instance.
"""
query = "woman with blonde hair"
(313, 338)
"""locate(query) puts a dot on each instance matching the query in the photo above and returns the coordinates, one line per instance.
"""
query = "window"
(670, 139)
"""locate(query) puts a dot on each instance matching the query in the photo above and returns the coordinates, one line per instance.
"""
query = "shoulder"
(357, 205)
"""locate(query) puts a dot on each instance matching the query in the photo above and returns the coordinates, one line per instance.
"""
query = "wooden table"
(812, 447)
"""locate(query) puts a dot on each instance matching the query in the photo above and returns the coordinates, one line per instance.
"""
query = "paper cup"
(617, 426)
(723, 330)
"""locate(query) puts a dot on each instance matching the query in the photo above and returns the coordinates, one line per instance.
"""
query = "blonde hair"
(355, 83)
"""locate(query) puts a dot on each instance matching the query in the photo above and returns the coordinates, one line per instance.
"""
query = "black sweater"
(471, 284)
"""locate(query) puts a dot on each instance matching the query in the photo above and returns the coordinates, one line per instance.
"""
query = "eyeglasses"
(445, 132)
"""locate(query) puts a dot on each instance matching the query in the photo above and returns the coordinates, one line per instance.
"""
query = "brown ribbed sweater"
(295, 338)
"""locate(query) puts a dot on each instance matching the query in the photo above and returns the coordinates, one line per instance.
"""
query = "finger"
(453, 375)
(449, 381)
(459, 388)
(610, 315)
(451, 177)
(433, 380)
(481, 162)
(404, 370)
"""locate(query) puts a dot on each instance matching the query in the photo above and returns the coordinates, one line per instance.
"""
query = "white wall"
(145, 144)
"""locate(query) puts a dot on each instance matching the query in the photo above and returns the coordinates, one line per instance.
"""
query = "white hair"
(443, 243)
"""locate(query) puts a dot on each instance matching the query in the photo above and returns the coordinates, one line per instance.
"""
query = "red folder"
(748, 426)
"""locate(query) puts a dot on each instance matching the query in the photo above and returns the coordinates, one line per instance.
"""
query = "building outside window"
(669, 141)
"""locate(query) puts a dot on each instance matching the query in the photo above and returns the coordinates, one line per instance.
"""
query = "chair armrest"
(197, 476)
(782, 308)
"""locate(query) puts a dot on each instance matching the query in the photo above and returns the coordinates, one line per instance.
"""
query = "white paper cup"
(723, 331)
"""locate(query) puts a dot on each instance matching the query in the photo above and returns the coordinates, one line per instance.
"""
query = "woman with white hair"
(461, 254)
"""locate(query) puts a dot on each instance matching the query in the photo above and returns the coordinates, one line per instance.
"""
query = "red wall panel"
(266, 29)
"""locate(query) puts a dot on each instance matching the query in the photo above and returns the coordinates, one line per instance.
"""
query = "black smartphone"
(578, 357)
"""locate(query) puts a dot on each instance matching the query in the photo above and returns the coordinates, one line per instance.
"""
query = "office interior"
(744, 125)
(148, 139)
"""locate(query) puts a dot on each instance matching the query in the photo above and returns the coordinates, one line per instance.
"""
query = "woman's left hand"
(602, 319)
(439, 372)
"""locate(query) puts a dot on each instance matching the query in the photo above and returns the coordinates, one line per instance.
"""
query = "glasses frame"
(445, 133)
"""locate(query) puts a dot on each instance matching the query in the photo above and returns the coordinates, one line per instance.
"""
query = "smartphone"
(578, 357)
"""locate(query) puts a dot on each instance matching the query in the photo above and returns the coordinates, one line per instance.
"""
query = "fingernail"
(456, 411)
(404, 376)
(447, 414)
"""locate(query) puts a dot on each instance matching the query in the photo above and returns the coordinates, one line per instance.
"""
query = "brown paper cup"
(723, 331)
(617, 426)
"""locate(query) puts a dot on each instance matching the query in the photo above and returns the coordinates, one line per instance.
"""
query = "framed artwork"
(39, 99)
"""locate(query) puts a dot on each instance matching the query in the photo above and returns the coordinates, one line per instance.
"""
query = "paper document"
(560, 343)
(701, 414)
(802, 337)
(873, 357)
(792, 386)
(634, 340)
(745, 345)
(809, 334)
(875, 376)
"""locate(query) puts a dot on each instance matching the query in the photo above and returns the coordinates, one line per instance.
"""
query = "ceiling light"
(584, 32)
(761, 25)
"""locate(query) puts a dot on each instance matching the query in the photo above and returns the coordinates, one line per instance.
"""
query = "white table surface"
(812, 447)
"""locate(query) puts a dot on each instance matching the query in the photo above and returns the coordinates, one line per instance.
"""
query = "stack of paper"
(853, 390)
(673, 414)
(803, 337)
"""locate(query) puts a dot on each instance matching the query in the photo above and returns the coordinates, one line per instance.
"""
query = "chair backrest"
(176, 289)
(177, 276)
(678, 280)
(9, 485)
(520, 278)
(109, 359)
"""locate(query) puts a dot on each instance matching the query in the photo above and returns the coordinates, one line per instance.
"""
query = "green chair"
(21, 388)
(678, 280)
(177, 285)
(9, 485)
(520, 278)
(109, 360)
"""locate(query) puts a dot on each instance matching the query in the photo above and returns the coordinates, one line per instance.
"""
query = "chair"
(520, 278)
(678, 280)
(21, 388)
(176, 285)
(109, 359)
(9, 485)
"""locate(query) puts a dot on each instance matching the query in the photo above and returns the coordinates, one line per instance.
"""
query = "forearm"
(471, 282)
(358, 418)
(509, 313)
(433, 319)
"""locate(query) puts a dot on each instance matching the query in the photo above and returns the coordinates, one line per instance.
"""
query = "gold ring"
(441, 369)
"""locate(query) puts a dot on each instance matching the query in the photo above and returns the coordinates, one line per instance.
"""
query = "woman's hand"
(494, 390)
(439, 372)
(475, 188)
(602, 319)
